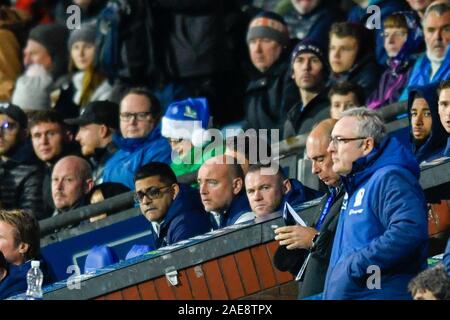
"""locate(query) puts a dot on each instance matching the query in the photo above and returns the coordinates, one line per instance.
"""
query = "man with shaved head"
(221, 184)
(316, 240)
(71, 182)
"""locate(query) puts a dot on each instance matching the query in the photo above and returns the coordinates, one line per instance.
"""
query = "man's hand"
(295, 237)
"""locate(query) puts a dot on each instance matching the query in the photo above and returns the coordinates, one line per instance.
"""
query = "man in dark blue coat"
(381, 241)
(174, 210)
(221, 184)
(427, 134)
(267, 193)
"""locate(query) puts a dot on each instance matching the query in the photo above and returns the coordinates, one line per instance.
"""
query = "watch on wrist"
(314, 241)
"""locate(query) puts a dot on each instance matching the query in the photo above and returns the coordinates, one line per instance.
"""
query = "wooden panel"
(438, 217)
(263, 265)
(182, 290)
(230, 273)
(281, 277)
(114, 296)
(214, 280)
(197, 283)
(100, 298)
(247, 271)
(147, 291)
(164, 289)
(131, 293)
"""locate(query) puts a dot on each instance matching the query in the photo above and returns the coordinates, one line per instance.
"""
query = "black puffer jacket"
(21, 181)
(269, 96)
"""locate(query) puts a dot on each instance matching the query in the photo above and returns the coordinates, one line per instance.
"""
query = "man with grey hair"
(434, 65)
(382, 236)
(71, 183)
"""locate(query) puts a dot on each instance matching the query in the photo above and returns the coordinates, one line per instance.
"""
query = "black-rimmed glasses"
(152, 193)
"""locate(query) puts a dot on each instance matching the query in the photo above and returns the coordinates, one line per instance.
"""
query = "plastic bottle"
(34, 281)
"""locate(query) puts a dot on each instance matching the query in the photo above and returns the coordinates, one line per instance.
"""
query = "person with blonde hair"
(19, 244)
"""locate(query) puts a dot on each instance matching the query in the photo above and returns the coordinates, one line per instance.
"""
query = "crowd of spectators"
(133, 104)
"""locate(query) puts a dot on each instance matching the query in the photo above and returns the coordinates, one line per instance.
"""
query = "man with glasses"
(174, 209)
(139, 141)
(20, 177)
(381, 240)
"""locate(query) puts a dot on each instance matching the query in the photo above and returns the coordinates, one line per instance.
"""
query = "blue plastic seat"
(99, 257)
(137, 250)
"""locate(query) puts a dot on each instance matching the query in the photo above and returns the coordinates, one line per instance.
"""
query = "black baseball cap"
(99, 112)
(14, 112)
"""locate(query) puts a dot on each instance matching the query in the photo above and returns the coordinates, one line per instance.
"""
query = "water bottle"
(34, 281)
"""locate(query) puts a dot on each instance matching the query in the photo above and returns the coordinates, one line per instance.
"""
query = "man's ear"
(23, 248)
(176, 189)
(238, 184)
(287, 186)
(104, 131)
(89, 184)
(368, 145)
(68, 135)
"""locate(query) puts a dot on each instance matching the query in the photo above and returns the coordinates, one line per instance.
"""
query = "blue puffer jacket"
(383, 223)
(433, 146)
(186, 218)
(420, 75)
(133, 153)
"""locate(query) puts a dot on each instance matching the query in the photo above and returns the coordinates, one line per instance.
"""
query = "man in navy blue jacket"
(381, 241)
(221, 184)
(174, 210)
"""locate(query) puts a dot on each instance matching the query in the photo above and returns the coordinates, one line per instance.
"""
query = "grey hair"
(370, 123)
(440, 8)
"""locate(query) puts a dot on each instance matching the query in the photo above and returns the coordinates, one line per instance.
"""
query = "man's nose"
(202, 188)
(418, 120)
(315, 169)
(257, 196)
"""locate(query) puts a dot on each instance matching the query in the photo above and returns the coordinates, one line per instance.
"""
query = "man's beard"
(433, 58)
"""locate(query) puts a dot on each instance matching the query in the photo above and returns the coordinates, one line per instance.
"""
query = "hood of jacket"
(437, 138)
(414, 42)
(187, 199)
(388, 152)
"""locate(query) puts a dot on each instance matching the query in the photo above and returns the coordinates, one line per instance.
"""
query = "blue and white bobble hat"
(187, 119)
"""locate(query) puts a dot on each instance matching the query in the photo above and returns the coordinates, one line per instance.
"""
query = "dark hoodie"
(383, 223)
(396, 76)
(434, 145)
